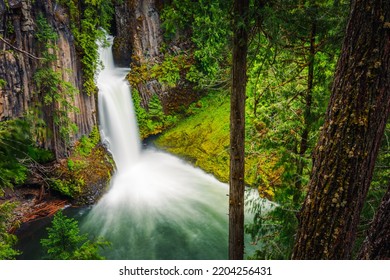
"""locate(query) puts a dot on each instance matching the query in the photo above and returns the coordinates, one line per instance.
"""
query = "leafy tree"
(65, 242)
(292, 58)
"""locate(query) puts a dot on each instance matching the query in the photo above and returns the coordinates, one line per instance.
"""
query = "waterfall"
(158, 206)
(118, 127)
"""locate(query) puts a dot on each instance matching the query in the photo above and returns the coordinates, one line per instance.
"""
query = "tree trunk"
(237, 131)
(377, 243)
(345, 154)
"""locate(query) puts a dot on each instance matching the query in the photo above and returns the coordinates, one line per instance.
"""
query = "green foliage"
(203, 137)
(151, 121)
(40, 155)
(65, 242)
(278, 111)
(55, 93)
(73, 177)
(168, 72)
(73, 180)
(7, 241)
(68, 187)
(86, 144)
(208, 22)
(10, 29)
(17, 152)
(45, 32)
(76, 165)
(3, 83)
(15, 140)
(71, 164)
(88, 26)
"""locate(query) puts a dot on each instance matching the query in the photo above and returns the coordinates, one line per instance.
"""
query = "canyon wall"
(20, 55)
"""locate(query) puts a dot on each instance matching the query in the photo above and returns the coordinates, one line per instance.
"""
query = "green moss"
(68, 187)
(88, 166)
(168, 72)
(203, 137)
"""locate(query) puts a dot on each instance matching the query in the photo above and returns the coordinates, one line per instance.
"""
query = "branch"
(20, 50)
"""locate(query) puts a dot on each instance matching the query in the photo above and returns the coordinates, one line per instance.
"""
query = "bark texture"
(237, 131)
(345, 154)
(18, 65)
(377, 243)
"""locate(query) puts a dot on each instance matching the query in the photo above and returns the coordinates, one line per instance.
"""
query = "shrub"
(65, 242)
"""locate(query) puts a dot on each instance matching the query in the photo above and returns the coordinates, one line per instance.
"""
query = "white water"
(116, 114)
(158, 207)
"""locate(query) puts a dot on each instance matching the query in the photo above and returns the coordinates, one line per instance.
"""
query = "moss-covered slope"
(203, 139)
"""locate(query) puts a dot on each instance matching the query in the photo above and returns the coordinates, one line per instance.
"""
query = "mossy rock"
(203, 138)
(85, 175)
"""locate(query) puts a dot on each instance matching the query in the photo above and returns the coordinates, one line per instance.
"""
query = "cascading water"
(118, 126)
(158, 207)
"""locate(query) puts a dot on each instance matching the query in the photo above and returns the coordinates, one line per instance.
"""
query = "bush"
(152, 121)
(7, 241)
(65, 242)
(70, 188)
(86, 144)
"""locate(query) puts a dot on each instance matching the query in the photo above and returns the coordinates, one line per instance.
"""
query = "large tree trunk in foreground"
(237, 131)
(348, 145)
(377, 243)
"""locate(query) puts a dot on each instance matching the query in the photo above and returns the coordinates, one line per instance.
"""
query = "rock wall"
(138, 41)
(19, 59)
(139, 34)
